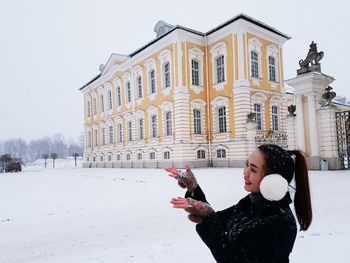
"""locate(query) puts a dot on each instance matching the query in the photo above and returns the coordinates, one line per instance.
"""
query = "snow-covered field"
(72, 215)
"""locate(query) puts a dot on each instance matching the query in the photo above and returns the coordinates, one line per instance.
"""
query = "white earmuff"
(273, 187)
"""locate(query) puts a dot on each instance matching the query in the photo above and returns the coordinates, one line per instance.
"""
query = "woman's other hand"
(194, 207)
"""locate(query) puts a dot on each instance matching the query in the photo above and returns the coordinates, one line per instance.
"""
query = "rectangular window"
(168, 123)
(94, 106)
(129, 131)
(141, 135)
(167, 75)
(96, 137)
(119, 96)
(128, 156)
(274, 113)
(128, 92)
(221, 153)
(152, 155)
(139, 156)
(102, 106)
(200, 154)
(139, 87)
(220, 69)
(88, 108)
(111, 135)
(118, 157)
(167, 155)
(153, 126)
(197, 121)
(103, 136)
(222, 119)
(195, 72)
(110, 100)
(254, 64)
(272, 68)
(120, 132)
(258, 116)
(152, 81)
(89, 139)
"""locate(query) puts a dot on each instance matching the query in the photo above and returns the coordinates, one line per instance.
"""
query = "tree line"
(37, 148)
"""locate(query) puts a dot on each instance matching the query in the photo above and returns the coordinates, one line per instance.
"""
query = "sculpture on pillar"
(291, 109)
(328, 96)
(311, 62)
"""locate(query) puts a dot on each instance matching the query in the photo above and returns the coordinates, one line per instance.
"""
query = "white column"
(300, 122)
(314, 145)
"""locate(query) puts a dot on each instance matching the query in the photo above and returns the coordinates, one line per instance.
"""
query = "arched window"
(109, 99)
(103, 130)
(141, 134)
(152, 155)
(102, 103)
(119, 96)
(153, 126)
(274, 115)
(109, 158)
(139, 87)
(128, 157)
(221, 153)
(118, 157)
(200, 154)
(128, 92)
(222, 119)
(166, 70)
(111, 134)
(94, 158)
(120, 132)
(88, 108)
(167, 155)
(220, 69)
(197, 121)
(258, 116)
(94, 106)
(168, 128)
(129, 131)
(152, 81)
(254, 64)
(195, 72)
(272, 68)
(139, 156)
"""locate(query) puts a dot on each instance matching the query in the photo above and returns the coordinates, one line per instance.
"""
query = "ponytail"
(302, 199)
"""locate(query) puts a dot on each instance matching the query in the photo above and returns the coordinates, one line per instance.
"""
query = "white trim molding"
(220, 49)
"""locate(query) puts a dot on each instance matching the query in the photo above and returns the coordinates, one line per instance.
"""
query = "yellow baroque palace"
(184, 97)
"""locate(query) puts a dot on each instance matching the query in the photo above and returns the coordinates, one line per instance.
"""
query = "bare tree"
(45, 156)
(53, 157)
(4, 159)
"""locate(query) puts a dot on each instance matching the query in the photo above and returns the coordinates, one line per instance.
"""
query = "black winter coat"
(254, 230)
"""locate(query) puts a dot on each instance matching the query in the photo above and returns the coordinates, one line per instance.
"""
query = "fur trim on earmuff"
(273, 187)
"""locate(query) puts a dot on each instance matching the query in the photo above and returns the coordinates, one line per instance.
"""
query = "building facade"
(184, 97)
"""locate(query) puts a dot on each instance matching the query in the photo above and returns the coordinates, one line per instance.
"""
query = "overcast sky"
(49, 49)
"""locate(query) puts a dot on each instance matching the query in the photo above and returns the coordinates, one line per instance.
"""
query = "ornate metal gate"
(343, 137)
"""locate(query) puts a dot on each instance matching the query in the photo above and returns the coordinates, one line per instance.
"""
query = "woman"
(261, 226)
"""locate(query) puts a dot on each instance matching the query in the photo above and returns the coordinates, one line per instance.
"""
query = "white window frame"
(259, 98)
(111, 134)
(150, 66)
(222, 129)
(129, 128)
(199, 105)
(255, 45)
(272, 69)
(164, 58)
(275, 123)
(221, 153)
(197, 55)
(168, 123)
(166, 155)
(273, 51)
(153, 126)
(88, 106)
(220, 49)
(152, 155)
(200, 154)
(258, 116)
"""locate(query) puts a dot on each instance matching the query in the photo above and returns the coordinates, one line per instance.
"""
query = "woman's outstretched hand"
(185, 179)
(197, 209)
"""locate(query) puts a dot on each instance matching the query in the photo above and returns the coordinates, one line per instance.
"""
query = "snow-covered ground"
(72, 215)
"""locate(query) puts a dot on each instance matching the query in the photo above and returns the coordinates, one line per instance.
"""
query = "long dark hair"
(278, 160)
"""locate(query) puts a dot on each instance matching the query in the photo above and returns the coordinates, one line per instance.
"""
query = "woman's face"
(254, 172)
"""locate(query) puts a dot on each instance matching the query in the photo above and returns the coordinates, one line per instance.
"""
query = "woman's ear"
(273, 187)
